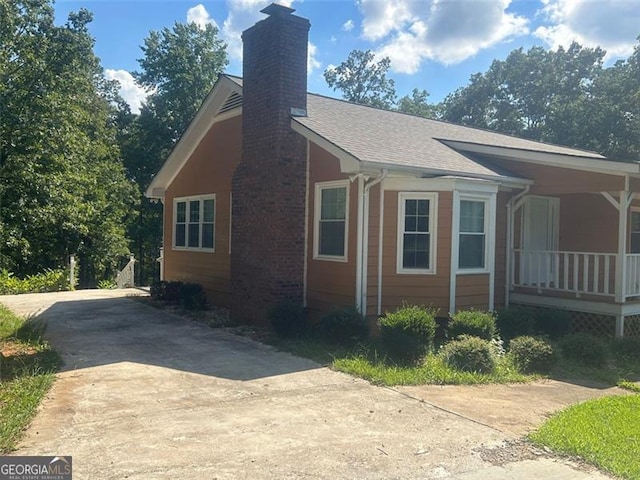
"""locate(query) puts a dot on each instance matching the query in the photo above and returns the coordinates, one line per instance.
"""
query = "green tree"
(180, 66)
(62, 185)
(614, 111)
(417, 104)
(363, 80)
(563, 96)
(532, 94)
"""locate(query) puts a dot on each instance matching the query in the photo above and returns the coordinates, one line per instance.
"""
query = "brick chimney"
(269, 185)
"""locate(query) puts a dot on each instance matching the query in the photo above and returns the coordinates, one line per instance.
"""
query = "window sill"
(328, 258)
(415, 271)
(473, 271)
(193, 249)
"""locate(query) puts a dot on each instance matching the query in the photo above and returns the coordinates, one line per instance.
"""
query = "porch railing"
(576, 272)
(564, 271)
(632, 282)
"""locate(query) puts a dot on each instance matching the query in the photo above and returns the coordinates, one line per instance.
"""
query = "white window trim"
(433, 230)
(319, 186)
(193, 198)
(489, 233)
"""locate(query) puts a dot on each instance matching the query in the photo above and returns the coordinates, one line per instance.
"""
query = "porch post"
(620, 326)
(621, 261)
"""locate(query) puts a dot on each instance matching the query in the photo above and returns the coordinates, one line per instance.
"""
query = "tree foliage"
(563, 96)
(363, 80)
(62, 186)
(179, 68)
(417, 104)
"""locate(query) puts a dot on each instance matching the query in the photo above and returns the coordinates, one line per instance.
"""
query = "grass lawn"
(364, 361)
(27, 367)
(604, 432)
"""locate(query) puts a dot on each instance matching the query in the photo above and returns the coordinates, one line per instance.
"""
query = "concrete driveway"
(147, 395)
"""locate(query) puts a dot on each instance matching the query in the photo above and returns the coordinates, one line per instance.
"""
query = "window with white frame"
(331, 220)
(472, 246)
(635, 231)
(194, 223)
(416, 232)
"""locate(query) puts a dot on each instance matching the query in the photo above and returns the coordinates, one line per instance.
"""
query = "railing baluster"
(556, 268)
(607, 267)
(585, 273)
(596, 274)
(566, 271)
(576, 267)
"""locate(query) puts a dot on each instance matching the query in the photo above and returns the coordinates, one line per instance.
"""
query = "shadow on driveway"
(90, 332)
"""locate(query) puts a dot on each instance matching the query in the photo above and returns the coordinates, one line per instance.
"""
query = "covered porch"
(577, 251)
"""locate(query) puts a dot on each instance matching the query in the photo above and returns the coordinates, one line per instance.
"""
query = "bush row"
(473, 340)
(47, 281)
(190, 295)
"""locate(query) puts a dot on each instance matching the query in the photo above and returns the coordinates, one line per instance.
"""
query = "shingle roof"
(392, 138)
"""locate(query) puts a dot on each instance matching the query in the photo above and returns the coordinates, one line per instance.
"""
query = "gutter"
(362, 274)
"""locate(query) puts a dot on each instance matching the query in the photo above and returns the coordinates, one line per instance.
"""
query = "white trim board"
(193, 135)
(576, 305)
(594, 162)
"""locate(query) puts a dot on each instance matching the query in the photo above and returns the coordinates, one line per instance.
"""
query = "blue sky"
(433, 44)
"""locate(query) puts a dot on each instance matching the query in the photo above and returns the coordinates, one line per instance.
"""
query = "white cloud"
(610, 24)
(448, 31)
(242, 15)
(130, 91)
(200, 16)
(348, 25)
(312, 61)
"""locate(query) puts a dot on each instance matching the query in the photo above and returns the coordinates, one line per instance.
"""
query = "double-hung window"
(331, 220)
(635, 231)
(472, 246)
(194, 223)
(416, 232)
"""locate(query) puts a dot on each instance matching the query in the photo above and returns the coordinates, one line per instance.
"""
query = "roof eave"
(562, 160)
(193, 135)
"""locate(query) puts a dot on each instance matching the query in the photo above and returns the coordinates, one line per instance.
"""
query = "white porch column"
(621, 259)
(454, 251)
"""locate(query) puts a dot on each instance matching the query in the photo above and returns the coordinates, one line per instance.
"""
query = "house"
(273, 193)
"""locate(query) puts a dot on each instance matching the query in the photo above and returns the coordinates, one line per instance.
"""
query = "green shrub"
(106, 284)
(627, 348)
(469, 354)
(531, 354)
(584, 349)
(192, 296)
(344, 326)
(47, 281)
(170, 292)
(473, 323)
(288, 319)
(552, 323)
(407, 334)
(515, 321)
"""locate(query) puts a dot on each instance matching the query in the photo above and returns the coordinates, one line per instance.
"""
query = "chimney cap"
(276, 9)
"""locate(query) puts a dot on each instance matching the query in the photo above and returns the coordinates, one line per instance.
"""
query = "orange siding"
(472, 291)
(588, 223)
(500, 279)
(209, 170)
(330, 283)
(554, 180)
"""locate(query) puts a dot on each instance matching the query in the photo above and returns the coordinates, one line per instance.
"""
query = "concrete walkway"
(147, 395)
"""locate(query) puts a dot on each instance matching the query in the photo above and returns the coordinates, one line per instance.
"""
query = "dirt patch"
(11, 348)
(512, 451)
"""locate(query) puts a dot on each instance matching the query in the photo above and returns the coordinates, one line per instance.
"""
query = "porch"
(575, 252)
